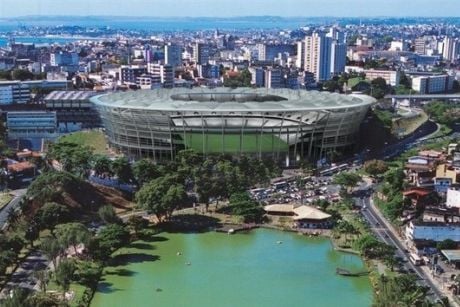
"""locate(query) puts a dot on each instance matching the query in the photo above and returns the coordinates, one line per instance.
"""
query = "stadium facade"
(280, 123)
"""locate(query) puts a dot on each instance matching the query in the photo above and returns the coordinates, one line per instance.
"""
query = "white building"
(432, 231)
(392, 77)
(450, 49)
(161, 75)
(318, 56)
(398, 46)
(453, 197)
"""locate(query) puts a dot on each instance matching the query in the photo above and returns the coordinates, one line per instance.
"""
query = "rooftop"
(228, 99)
(451, 254)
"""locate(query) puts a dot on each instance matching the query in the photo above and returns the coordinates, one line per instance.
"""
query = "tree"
(108, 215)
(52, 214)
(101, 164)
(88, 273)
(22, 74)
(114, 236)
(446, 244)
(243, 205)
(144, 171)
(18, 299)
(32, 233)
(51, 248)
(161, 196)
(375, 167)
(122, 169)
(43, 277)
(49, 186)
(137, 223)
(73, 157)
(72, 234)
(64, 273)
(347, 179)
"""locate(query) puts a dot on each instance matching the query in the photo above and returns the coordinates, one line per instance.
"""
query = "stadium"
(281, 123)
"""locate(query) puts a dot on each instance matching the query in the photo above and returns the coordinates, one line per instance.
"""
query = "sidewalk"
(425, 269)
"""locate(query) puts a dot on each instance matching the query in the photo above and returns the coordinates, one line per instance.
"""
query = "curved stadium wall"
(281, 123)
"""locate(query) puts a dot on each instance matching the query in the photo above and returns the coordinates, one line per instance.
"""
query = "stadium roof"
(227, 99)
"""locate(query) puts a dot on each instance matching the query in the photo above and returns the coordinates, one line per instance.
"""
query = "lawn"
(5, 198)
(93, 138)
(234, 143)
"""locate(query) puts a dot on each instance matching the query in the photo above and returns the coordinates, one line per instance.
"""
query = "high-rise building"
(450, 48)
(257, 76)
(201, 53)
(338, 57)
(420, 46)
(273, 78)
(300, 60)
(318, 56)
(173, 55)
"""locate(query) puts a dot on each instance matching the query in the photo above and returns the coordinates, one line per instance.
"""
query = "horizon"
(229, 9)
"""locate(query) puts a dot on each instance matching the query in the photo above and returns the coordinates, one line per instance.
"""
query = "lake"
(244, 269)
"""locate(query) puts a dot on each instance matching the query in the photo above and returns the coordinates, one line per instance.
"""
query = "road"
(387, 234)
(14, 203)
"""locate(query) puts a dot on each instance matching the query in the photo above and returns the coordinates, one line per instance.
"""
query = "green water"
(233, 270)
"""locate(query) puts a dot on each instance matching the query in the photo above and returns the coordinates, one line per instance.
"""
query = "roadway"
(387, 234)
(13, 204)
(424, 96)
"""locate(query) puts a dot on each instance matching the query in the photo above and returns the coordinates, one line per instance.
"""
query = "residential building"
(129, 74)
(300, 60)
(318, 56)
(420, 46)
(268, 52)
(201, 53)
(450, 49)
(453, 197)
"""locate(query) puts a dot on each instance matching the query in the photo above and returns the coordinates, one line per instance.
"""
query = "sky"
(229, 8)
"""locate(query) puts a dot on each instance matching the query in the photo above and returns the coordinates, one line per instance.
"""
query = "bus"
(333, 170)
(415, 259)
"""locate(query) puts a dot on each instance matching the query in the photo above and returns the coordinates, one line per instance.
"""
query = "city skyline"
(224, 8)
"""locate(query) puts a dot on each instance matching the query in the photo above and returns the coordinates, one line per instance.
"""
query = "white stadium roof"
(226, 99)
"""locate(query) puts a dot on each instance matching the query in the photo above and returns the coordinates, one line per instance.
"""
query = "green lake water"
(240, 270)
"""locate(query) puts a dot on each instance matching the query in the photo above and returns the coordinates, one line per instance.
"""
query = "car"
(412, 271)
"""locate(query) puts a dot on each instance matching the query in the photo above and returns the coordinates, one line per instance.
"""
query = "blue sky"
(226, 8)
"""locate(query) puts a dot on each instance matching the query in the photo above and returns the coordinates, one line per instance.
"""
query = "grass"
(92, 138)
(234, 143)
(75, 287)
(5, 198)
(408, 125)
